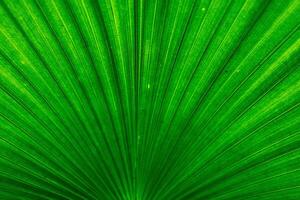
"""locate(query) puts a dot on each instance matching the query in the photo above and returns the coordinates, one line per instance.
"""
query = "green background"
(149, 99)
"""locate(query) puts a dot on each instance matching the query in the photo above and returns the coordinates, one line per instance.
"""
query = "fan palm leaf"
(149, 100)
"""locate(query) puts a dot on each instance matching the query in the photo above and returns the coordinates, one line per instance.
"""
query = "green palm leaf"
(149, 100)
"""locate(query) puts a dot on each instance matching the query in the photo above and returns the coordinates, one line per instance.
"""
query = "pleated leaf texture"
(149, 99)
